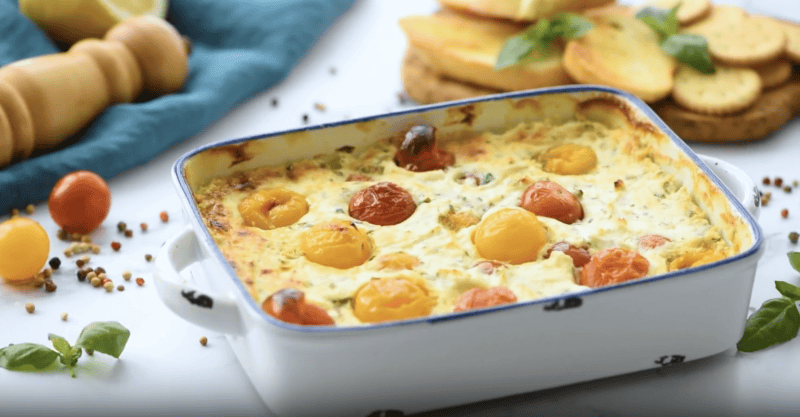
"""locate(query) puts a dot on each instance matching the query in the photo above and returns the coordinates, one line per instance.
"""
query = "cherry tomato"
(290, 305)
(549, 199)
(611, 266)
(396, 298)
(383, 204)
(419, 152)
(652, 241)
(580, 256)
(480, 297)
(24, 248)
(79, 202)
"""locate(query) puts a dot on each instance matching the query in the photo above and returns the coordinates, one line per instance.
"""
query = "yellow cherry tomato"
(24, 248)
(397, 298)
(570, 159)
(337, 243)
(275, 207)
(510, 235)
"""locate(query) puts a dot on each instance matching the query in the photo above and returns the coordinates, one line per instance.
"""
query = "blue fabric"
(240, 48)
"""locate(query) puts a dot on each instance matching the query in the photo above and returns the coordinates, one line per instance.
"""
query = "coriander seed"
(30, 209)
(96, 282)
(30, 307)
(109, 286)
(203, 340)
(64, 316)
(126, 275)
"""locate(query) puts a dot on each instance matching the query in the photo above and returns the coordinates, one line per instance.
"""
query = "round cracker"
(424, 86)
(689, 11)
(792, 31)
(775, 73)
(726, 91)
(768, 114)
(734, 38)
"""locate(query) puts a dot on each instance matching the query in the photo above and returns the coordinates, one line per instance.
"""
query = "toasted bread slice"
(621, 52)
(425, 86)
(466, 49)
(522, 10)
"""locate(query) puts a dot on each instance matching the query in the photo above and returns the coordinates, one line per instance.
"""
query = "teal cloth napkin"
(240, 48)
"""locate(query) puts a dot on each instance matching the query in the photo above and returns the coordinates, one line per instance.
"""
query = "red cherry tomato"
(79, 202)
(549, 199)
(480, 297)
(580, 256)
(290, 305)
(419, 152)
(611, 266)
(383, 204)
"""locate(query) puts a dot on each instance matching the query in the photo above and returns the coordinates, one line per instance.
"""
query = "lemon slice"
(68, 21)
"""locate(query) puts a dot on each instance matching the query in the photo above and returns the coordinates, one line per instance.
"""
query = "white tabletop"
(353, 71)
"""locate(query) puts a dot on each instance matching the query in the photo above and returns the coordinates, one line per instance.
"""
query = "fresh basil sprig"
(690, 49)
(778, 320)
(105, 337)
(541, 36)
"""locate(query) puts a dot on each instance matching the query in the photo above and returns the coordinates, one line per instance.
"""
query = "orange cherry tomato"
(612, 266)
(382, 204)
(79, 202)
(24, 248)
(549, 199)
(580, 256)
(419, 152)
(652, 241)
(290, 305)
(480, 297)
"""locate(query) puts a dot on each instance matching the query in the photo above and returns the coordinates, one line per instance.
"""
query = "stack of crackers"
(753, 92)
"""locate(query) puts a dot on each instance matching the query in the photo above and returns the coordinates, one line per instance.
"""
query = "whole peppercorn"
(787, 189)
(785, 213)
(30, 209)
(30, 307)
(47, 272)
(203, 340)
(120, 287)
(38, 281)
(148, 257)
(54, 262)
(765, 181)
(49, 285)
(778, 181)
(793, 236)
(79, 263)
(163, 216)
(121, 226)
(115, 245)
(100, 270)
(143, 226)
(82, 275)
(64, 316)
(140, 281)
(128, 233)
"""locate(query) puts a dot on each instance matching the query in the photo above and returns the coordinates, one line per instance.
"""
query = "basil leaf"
(794, 259)
(570, 25)
(540, 36)
(777, 321)
(514, 51)
(61, 344)
(107, 337)
(16, 357)
(663, 22)
(690, 49)
(788, 290)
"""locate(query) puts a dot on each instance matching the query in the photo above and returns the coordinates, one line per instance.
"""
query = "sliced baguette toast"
(522, 10)
(622, 52)
(466, 48)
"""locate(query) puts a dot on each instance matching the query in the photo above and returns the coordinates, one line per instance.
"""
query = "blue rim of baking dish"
(179, 174)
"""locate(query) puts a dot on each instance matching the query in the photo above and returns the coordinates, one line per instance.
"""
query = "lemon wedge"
(68, 21)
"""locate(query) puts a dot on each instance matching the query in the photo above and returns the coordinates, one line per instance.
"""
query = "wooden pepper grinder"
(47, 99)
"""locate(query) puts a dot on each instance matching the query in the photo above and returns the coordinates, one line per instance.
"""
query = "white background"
(165, 371)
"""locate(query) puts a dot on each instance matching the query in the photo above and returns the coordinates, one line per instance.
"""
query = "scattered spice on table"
(785, 213)
(164, 216)
(140, 281)
(30, 307)
(64, 316)
(793, 236)
(54, 262)
(203, 340)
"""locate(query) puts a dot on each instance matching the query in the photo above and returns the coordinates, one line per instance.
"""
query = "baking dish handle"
(738, 182)
(212, 311)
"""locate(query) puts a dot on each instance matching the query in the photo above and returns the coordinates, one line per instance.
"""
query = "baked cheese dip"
(423, 225)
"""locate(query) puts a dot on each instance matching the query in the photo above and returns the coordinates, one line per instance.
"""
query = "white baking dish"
(458, 358)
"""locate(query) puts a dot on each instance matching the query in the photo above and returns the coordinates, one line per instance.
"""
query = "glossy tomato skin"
(549, 199)
(382, 204)
(79, 202)
(580, 256)
(24, 248)
(484, 297)
(419, 152)
(612, 266)
(290, 305)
